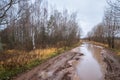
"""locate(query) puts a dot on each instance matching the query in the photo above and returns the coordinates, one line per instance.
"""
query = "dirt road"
(86, 62)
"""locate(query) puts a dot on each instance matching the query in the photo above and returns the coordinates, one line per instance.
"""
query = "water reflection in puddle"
(91, 66)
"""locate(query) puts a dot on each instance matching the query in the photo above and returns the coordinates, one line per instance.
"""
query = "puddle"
(91, 65)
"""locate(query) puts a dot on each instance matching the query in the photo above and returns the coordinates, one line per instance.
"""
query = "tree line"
(30, 24)
(108, 31)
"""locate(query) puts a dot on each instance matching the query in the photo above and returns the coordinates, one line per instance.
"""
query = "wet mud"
(86, 62)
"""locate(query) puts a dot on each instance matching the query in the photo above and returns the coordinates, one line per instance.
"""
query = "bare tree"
(34, 28)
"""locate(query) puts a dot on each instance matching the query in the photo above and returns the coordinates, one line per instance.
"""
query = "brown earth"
(113, 66)
(63, 67)
(58, 68)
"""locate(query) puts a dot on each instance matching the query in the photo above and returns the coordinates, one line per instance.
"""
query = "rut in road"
(86, 62)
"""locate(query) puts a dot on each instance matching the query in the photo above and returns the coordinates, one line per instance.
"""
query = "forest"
(31, 32)
(30, 25)
(38, 41)
(108, 31)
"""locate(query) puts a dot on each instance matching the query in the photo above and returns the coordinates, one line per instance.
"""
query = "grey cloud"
(90, 12)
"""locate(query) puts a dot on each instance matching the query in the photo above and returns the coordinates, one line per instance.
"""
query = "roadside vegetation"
(14, 62)
(108, 31)
(30, 34)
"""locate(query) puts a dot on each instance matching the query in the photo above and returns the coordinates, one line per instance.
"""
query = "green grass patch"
(7, 74)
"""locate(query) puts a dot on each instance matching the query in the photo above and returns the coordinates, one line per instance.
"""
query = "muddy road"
(86, 62)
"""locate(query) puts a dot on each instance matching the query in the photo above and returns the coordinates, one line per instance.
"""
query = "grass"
(100, 44)
(106, 46)
(117, 51)
(20, 61)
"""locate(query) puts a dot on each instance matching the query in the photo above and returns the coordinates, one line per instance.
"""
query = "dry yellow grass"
(118, 53)
(105, 45)
(98, 43)
(20, 58)
(44, 53)
(13, 62)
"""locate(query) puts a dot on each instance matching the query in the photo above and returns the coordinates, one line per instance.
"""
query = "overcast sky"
(90, 12)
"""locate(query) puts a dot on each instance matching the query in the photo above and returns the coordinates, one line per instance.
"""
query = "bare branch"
(8, 5)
